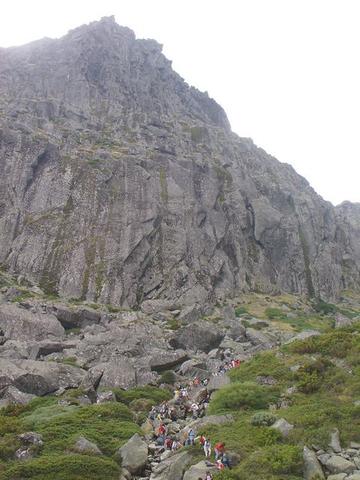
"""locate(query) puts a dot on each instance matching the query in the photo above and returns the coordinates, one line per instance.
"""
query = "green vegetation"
(321, 399)
(245, 395)
(173, 324)
(154, 394)
(274, 313)
(240, 311)
(168, 377)
(64, 467)
(108, 425)
(263, 419)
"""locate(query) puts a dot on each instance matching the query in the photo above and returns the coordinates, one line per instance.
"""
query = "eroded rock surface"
(122, 184)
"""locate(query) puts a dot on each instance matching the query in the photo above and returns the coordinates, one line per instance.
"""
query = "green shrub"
(173, 324)
(155, 394)
(108, 425)
(242, 396)
(64, 467)
(335, 344)
(262, 364)
(168, 377)
(240, 311)
(324, 308)
(263, 419)
(278, 460)
(9, 443)
(9, 425)
(274, 313)
(310, 376)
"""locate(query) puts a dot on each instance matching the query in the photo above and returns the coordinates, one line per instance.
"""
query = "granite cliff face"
(120, 183)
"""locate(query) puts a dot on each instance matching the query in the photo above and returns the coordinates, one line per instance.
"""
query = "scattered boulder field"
(90, 372)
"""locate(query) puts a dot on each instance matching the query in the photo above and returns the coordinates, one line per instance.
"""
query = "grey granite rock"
(122, 184)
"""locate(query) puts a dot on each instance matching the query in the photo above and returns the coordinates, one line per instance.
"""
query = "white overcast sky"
(287, 72)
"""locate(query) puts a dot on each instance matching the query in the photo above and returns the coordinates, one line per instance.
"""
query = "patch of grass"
(156, 395)
(242, 396)
(325, 308)
(23, 296)
(263, 419)
(113, 309)
(275, 460)
(267, 364)
(70, 361)
(63, 467)
(240, 311)
(168, 377)
(108, 425)
(173, 324)
(339, 343)
(274, 313)
(308, 322)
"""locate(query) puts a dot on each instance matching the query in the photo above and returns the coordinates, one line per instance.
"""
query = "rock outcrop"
(120, 184)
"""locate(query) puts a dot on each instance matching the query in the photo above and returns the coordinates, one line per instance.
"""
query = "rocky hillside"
(121, 184)
(77, 381)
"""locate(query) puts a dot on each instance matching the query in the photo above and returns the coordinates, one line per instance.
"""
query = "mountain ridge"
(123, 184)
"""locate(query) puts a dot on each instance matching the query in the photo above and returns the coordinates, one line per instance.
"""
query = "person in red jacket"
(219, 449)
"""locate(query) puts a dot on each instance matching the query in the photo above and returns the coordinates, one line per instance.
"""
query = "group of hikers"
(187, 405)
(225, 367)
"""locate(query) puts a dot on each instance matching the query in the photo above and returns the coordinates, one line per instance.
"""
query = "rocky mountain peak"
(122, 184)
(101, 69)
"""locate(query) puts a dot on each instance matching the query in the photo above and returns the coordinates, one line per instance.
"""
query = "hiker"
(219, 450)
(207, 448)
(202, 440)
(173, 415)
(219, 465)
(208, 476)
(175, 445)
(152, 414)
(168, 443)
(191, 437)
(226, 460)
(160, 440)
(195, 410)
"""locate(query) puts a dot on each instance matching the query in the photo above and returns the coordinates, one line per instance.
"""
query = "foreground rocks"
(334, 464)
(38, 378)
(134, 455)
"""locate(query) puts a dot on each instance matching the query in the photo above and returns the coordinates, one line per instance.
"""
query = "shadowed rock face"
(120, 183)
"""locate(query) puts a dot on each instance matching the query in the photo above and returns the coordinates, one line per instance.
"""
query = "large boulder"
(198, 471)
(172, 468)
(199, 335)
(312, 467)
(283, 427)
(76, 318)
(134, 455)
(203, 422)
(12, 396)
(218, 381)
(338, 464)
(164, 360)
(257, 337)
(122, 372)
(21, 324)
(335, 441)
(38, 378)
(83, 445)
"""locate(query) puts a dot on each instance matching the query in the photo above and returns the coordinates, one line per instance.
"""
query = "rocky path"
(155, 462)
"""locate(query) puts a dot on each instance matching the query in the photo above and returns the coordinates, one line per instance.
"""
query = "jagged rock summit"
(120, 183)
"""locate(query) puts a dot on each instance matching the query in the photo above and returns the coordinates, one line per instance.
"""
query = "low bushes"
(63, 467)
(262, 364)
(156, 395)
(246, 395)
(263, 419)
